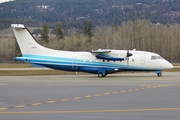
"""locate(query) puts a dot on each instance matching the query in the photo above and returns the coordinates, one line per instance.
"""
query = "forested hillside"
(100, 12)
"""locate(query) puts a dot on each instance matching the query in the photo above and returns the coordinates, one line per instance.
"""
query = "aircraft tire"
(101, 75)
(159, 74)
(104, 75)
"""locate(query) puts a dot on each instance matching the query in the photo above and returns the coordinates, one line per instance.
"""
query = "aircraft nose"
(169, 65)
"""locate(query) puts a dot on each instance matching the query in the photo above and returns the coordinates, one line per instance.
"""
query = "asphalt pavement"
(131, 96)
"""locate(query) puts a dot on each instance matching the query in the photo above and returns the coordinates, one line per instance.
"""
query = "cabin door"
(142, 60)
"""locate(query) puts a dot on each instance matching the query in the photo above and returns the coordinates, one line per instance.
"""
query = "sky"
(1, 1)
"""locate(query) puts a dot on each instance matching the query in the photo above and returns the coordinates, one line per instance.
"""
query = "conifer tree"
(44, 33)
(88, 30)
(60, 34)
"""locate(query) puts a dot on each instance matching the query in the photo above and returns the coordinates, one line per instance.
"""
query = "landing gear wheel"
(159, 74)
(101, 74)
(104, 75)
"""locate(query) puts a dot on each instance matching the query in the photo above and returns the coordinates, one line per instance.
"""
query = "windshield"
(156, 57)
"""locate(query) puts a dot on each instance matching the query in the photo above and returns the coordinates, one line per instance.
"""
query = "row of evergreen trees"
(133, 34)
(44, 32)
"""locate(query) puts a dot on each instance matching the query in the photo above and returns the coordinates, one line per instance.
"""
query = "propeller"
(128, 55)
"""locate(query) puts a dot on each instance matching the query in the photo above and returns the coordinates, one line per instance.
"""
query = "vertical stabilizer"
(26, 41)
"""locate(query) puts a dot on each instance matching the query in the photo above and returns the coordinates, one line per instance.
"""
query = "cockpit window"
(156, 57)
(153, 57)
(159, 57)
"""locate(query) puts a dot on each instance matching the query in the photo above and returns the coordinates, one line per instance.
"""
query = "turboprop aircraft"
(101, 61)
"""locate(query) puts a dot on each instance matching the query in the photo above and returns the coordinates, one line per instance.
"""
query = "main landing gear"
(101, 74)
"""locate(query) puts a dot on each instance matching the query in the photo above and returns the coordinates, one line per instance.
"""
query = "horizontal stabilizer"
(17, 26)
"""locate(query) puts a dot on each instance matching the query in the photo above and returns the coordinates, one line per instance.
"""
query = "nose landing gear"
(159, 73)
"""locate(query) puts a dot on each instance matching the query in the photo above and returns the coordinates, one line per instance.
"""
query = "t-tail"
(27, 43)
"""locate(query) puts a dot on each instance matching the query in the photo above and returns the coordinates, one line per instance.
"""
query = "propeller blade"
(127, 56)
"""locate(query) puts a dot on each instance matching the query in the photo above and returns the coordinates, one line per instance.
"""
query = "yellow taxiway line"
(94, 111)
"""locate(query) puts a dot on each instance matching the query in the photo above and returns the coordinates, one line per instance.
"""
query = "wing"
(105, 54)
(101, 51)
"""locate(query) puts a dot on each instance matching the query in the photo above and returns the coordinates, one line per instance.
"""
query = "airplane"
(100, 62)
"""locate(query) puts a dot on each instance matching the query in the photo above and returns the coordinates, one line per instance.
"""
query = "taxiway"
(137, 96)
